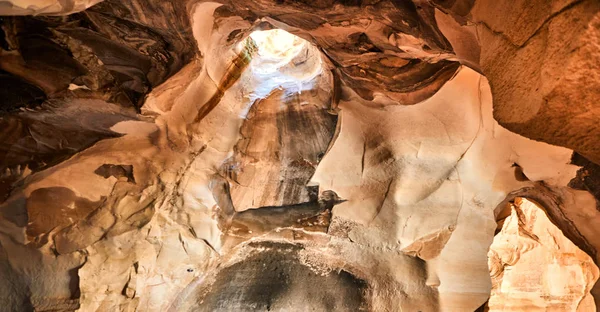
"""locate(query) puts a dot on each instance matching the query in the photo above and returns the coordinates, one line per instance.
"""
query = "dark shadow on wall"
(276, 280)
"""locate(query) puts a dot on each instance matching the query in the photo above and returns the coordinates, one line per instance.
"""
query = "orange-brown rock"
(285, 154)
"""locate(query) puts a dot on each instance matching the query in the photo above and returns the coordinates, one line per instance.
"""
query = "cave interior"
(299, 155)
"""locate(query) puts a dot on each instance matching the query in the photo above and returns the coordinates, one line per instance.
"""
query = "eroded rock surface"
(276, 280)
(534, 267)
(156, 153)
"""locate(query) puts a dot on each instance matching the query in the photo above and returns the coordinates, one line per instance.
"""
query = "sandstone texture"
(292, 155)
(534, 267)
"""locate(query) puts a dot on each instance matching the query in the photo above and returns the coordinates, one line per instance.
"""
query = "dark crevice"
(587, 177)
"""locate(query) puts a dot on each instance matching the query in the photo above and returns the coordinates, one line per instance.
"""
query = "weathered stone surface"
(111, 51)
(44, 7)
(277, 280)
(153, 149)
(283, 138)
(543, 66)
(534, 267)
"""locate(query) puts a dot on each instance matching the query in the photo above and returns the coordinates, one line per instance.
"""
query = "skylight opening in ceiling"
(283, 60)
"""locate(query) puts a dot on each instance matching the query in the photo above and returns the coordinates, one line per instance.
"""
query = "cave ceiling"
(344, 155)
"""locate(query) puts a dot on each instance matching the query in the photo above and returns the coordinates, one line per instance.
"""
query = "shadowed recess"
(276, 280)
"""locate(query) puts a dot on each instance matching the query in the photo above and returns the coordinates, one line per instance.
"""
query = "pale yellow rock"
(534, 267)
(418, 186)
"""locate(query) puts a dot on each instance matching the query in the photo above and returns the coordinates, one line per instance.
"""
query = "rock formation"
(290, 155)
(534, 267)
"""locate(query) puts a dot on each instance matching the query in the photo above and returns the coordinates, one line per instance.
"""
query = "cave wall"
(534, 267)
(541, 58)
(139, 147)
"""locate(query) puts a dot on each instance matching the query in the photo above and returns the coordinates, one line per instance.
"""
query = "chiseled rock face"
(534, 267)
(343, 155)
